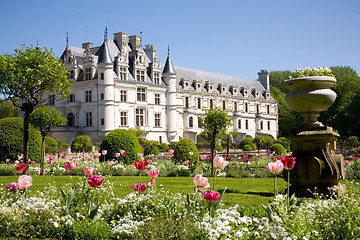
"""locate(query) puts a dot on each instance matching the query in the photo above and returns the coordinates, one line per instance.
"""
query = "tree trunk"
(227, 146)
(26, 136)
(42, 163)
(212, 148)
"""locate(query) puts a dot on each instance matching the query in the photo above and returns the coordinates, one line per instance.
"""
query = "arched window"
(191, 122)
(211, 104)
(186, 102)
(239, 124)
(70, 119)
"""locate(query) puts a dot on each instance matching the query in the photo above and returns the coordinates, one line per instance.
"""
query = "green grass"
(247, 192)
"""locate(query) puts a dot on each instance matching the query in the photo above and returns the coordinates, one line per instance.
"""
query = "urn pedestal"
(317, 169)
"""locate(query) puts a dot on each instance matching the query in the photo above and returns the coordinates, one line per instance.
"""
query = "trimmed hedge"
(121, 139)
(50, 145)
(182, 150)
(247, 141)
(219, 148)
(151, 149)
(82, 143)
(11, 140)
(278, 148)
(247, 147)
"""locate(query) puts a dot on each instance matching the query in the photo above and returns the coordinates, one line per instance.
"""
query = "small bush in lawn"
(284, 141)
(164, 147)
(183, 150)
(219, 148)
(247, 141)
(11, 140)
(50, 145)
(278, 148)
(247, 147)
(82, 143)
(121, 139)
(151, 148)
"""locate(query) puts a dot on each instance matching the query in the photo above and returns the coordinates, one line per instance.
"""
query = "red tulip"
(288, 162)
(140, 165)
(211, 196)
(136, 187)
(20, 168)
(95, 181)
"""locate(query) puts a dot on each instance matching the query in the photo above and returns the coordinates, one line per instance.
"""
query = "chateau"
(122, 85)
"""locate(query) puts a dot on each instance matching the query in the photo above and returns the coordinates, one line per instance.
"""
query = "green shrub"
(278, 148)
(284, 142)
(200, 145)
(121, 139)
(219, 148)
(247, 147)
(82, 143)
(11, 140)
(164, 147)
(245, 141)
(50, 145)
(151, 149)
(182, 150)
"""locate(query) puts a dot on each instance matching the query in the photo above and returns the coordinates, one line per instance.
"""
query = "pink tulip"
(29, 160)
(25, 181)
(70, 166)
(20, 156)
(122, 152)
(140, 154)
(171, 151)
(211, 196)
(142, 187)
(275, 167)
(98, 154)
(32, 162)
(152, 183)
(104, 152)
(20, 168)
(111, 163)
(149, 161)
(95, 181)
(220, 163)
(153, 174)
(187, 162)
(201, 182)
(88, 170)
(347, 162)
(202, 157)
(191, 153)
(117, 155)
(7, 160)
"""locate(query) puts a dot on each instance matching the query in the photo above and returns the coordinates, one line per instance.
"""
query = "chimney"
(87, 45)
(135, 42)
(120, 39)
(264, 79)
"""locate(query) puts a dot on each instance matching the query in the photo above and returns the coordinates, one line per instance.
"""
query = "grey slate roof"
(216, 78)
(169, 68)
(103, 53)
(113, 50)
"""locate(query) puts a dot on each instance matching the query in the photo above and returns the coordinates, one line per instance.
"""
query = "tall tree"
(32, 77)
(43, 118)
(215, 124)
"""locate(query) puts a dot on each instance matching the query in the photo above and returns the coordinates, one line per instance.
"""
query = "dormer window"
(88, 74)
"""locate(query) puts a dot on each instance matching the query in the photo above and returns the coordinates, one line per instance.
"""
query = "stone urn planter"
(317, 167)
(310, 96)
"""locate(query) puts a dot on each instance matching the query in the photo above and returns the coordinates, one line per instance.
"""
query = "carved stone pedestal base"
(317, 167)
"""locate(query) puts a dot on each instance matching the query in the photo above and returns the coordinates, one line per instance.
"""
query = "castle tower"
(169, 77)
(106, 78)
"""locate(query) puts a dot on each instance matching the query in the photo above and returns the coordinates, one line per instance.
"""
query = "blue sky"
(230, 37)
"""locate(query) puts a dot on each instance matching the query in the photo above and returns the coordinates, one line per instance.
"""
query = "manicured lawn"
(247, 192)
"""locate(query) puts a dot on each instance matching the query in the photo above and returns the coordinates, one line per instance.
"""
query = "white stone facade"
(122, 85)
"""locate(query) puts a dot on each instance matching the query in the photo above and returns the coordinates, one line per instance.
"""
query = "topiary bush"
(247, 147)
(278, 148)
(164, 147)
(151, 149)
(51, 145)
(121, 139)
(284, 141)
(11, 140)
(247, 141)
(182, 151)
(82, 143)
(219, 148)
